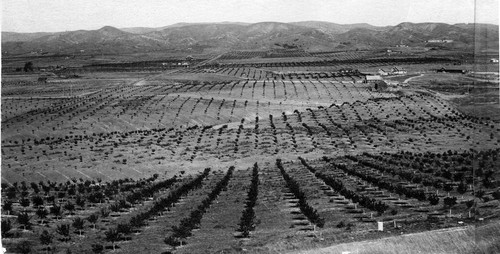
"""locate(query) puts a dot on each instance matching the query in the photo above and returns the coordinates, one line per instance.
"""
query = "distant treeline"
(378, 61)
(157, 63)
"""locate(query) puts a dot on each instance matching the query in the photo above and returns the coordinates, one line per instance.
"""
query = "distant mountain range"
(223, 36)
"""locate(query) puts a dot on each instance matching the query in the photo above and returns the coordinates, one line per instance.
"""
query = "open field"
(78, 60)
(255, 151)
(472, 94)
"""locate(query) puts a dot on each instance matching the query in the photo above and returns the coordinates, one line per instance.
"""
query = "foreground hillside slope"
(463, 240)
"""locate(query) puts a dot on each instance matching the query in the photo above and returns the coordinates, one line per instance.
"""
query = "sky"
(68, 15)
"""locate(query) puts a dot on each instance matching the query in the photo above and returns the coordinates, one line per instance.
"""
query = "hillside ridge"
(307, 35)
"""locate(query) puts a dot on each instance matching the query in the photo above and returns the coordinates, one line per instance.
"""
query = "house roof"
(373, 77)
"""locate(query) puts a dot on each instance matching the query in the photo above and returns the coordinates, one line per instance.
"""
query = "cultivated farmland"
(257, 151)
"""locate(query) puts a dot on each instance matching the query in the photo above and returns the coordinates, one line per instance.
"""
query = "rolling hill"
(333, 28)
(11, 36)
(145, 30)
(308, 35)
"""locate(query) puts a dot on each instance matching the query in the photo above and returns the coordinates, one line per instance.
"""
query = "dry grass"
(481, 239)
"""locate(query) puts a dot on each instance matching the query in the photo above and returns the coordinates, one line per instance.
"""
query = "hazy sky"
(66, 15)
